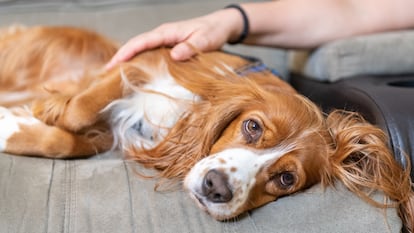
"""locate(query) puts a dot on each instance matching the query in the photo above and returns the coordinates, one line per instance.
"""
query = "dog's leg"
(22, 134)
(74, 113)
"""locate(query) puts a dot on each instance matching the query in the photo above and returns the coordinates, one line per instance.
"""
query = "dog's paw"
(64, 112)
(50, 110)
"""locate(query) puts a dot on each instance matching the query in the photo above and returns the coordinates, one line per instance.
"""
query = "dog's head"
(275, 145)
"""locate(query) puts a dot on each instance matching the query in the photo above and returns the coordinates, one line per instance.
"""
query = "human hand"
(205, 33)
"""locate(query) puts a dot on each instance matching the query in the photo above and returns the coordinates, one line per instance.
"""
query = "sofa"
(104, 193)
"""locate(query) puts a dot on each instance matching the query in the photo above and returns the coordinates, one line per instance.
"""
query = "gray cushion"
(104, 194)
(378, 54)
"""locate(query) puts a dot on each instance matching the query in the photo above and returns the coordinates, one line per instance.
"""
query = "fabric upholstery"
(378, 54)
(105, 194)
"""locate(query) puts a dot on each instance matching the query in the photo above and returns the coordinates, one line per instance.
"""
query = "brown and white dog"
(236, 142)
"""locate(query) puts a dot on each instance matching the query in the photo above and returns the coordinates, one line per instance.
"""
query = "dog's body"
(238, 142)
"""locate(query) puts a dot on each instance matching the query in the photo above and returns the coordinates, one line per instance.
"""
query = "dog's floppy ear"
(362, 160)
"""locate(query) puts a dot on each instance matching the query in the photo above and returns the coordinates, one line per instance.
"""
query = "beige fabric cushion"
(104, 194)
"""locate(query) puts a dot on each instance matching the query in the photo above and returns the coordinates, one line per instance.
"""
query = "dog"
(237, 139)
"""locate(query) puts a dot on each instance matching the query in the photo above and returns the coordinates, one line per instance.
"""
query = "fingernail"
(175, 55)
(180, 55)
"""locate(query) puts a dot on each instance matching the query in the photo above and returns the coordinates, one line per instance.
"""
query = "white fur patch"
(241, 166)
(9, 125)
(144, 118)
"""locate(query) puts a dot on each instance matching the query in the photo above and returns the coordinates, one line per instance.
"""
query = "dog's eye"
(252, 130)
(286, 179)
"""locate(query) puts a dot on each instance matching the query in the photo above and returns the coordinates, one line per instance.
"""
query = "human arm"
(283, 23)
(310, 23)
(205, 33)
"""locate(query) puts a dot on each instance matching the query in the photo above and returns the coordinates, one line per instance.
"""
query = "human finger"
(134, 46)
(199, 41)
(167, 34)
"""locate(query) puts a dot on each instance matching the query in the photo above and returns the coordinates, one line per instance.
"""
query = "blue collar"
(255, 67)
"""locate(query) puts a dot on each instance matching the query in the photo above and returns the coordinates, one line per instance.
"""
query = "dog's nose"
(216, 188)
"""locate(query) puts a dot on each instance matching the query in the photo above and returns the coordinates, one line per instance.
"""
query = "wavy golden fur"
(56, 71)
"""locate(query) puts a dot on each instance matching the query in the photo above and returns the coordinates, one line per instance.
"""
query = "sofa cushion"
(378, 54)
(105, 194)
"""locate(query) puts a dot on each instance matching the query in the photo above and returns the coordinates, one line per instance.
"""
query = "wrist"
(240, 31)
(231, 22)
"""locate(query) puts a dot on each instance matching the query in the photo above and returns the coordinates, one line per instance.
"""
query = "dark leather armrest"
(387, 101)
